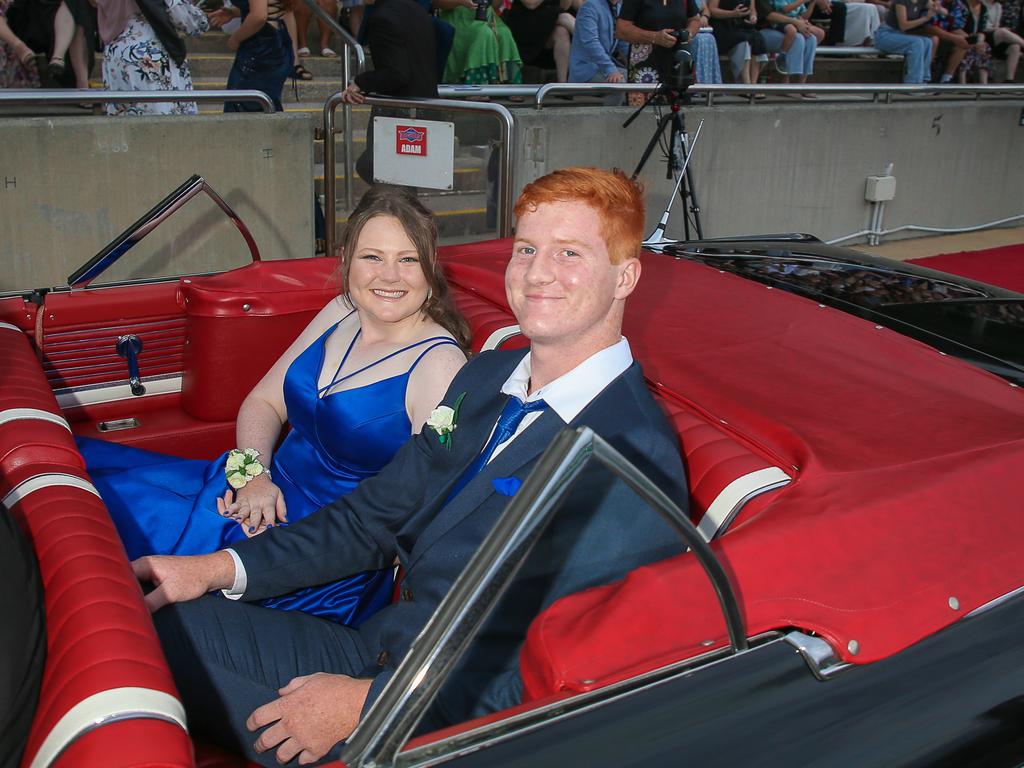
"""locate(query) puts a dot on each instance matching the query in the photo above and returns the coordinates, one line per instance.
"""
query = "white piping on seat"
(49, 480)
(107, 707)
(728, 503)
(11, 327)
(500, 336)
(18, 414)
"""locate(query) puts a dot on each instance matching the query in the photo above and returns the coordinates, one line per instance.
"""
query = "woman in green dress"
(483, 52)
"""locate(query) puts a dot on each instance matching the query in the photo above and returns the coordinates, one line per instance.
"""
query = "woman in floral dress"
(134, 59)
(17, 60)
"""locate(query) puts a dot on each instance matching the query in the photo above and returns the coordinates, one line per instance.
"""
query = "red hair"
(618, 200)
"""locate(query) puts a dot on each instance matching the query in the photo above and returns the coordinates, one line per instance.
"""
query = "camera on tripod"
(481, 10)
(680, 75)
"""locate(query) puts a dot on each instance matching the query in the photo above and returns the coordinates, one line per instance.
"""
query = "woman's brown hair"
(418, 223)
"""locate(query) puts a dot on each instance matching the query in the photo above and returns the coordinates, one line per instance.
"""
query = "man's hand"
(313, 714)
(178, 579)
(353, 94)
(614, 77)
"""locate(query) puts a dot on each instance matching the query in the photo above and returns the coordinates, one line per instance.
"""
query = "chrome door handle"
(129, 346)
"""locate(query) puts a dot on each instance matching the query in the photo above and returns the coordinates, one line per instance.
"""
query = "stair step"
(469, 177)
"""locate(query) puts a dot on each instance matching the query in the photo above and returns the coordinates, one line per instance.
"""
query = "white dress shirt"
(567, 396)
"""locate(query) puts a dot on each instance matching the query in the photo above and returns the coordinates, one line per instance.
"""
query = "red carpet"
(998, 266)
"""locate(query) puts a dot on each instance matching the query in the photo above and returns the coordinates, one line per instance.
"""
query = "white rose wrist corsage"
(242, 466)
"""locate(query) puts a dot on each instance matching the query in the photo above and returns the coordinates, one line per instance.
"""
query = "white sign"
(416, 153)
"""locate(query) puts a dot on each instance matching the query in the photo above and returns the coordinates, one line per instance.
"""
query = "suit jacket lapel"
(523, 449)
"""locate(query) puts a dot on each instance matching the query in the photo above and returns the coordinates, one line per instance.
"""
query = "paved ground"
(919, 247)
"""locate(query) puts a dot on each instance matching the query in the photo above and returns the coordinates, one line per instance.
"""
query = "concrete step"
(470, 177)
(211, 66)
(846, 69)
(303, 91)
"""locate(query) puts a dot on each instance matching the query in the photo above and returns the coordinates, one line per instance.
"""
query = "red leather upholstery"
(99, 635)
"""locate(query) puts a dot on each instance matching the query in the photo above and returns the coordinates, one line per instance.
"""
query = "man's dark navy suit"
(602, 533)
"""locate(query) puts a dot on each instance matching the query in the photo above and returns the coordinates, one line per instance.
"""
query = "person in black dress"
(543, 32)
(649, 26)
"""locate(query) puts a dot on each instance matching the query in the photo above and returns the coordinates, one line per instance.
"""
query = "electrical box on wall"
(880, 189)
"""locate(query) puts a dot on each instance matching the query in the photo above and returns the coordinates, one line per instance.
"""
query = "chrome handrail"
(152, 219)
(439, 646)
(504, 117)
(35, 96)
(350, 45)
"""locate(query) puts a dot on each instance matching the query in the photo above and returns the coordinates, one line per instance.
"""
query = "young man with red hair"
(303, 690)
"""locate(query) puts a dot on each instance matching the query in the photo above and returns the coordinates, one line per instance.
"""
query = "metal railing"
(46, 96)
(504, 117)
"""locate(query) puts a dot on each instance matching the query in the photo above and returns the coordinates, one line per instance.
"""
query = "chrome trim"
(393, 717)
(103, 708)
(444, 750)
(152, 219)
(504, 171)
(818, 654)
(11, 327)
(500, 336)
(731, 499)
(47, 480)
(36, 414)
(95, 394)
(33, 96)
(995, 603)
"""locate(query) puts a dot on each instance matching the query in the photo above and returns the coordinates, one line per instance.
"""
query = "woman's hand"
(353, 94)
(258, 504)
(220, 17)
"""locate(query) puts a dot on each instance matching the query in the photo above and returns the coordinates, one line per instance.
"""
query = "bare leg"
(63, 32)
(560, 42)
(568, 21)
(325, 32)
(355, 19)
(302, 15)
(79, 59)
(983, 76)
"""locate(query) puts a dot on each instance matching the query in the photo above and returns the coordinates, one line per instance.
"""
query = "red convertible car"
(853, 434)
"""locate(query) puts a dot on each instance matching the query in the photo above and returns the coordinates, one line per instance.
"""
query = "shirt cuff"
(241, 582)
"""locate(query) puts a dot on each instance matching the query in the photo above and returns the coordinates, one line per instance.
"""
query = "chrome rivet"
(853, 647)
(821, 306)
(954, 604)
(49, 317)
(186, 281)
(878, 327)
(768, 287)
(588, 682)
(706, 643)
(246, 307)
(723, 421)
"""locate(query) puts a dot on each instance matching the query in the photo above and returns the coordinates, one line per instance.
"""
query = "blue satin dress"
(168, 505)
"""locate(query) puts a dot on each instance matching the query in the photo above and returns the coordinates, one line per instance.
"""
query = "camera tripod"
(678, 159)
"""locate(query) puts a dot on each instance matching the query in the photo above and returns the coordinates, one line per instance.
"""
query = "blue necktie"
(508, 422)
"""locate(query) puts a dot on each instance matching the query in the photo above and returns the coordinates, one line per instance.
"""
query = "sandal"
(52, 73)
(299, 72)
(303, 52)
(327, 53)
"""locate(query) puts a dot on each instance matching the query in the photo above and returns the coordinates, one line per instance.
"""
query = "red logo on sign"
(411, 140)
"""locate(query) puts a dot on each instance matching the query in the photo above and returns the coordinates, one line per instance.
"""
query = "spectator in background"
(263, 50)
(706, 68)
(649, 26)
(401, 36)
(851, 22)
(74, 31)
(18, 66)
(543, 32)
(902, 32)
(144, 53)
(303, 14)
(1004, 33)
(792, 39)
(483, 51)
(978, 60)
(734, 23)
(949, 40)
(596, 55)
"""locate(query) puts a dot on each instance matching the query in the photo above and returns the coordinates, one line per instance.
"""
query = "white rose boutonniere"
(443, 420)
(242, 466)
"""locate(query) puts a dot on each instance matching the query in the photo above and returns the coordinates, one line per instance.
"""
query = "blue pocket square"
(506, 486)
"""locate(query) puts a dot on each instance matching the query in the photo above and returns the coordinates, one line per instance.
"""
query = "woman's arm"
(253, 23)
(905, 25)
(260, 418)
(17, 45)
(631, 33)
(429, 381)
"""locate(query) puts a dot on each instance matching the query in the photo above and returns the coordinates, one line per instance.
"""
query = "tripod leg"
(688, 190)
(651, 144)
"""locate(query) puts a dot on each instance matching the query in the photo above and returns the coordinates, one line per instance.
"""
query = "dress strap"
(440, 339)
(351, 346)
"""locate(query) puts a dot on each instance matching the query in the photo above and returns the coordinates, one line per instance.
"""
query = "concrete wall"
(802, 168)
(68, 186)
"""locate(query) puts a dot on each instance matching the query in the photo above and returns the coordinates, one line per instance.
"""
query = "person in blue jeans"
(592, 57)
(263, 58)
(904, 32)
(792, 39)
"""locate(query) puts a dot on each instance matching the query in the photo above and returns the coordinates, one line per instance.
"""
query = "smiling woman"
(354, 386)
